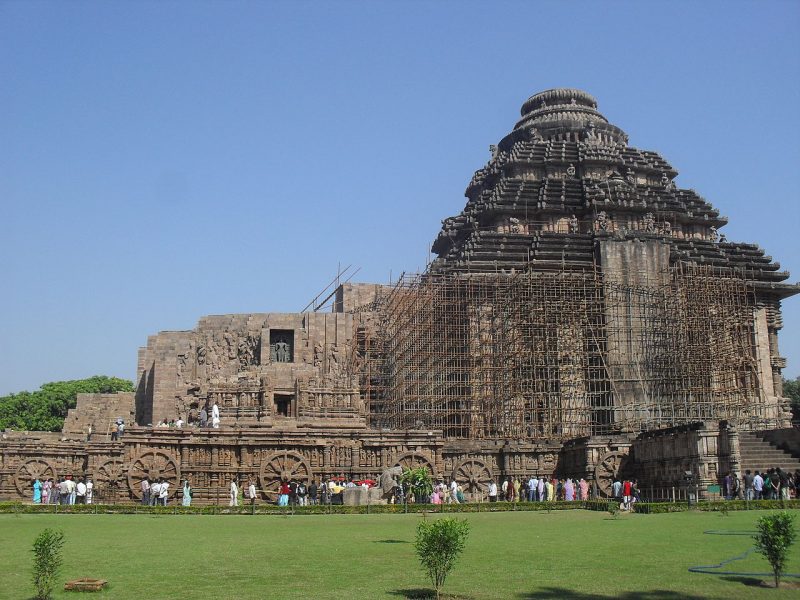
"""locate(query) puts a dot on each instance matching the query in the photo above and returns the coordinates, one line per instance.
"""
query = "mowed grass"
(511, 555)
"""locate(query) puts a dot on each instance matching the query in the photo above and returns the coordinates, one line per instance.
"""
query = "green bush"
(47, 561)
(438, 545)
(775, 536)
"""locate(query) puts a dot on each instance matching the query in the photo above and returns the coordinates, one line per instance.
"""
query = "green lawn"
(510, 555)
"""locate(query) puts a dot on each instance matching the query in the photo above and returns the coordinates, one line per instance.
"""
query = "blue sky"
(160, 161)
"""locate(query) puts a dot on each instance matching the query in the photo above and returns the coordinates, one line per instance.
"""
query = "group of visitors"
(539, 489)
(626, 492)
(208, 416)
(117, 429)
(155, 492)
(771, 484)
(64, 491)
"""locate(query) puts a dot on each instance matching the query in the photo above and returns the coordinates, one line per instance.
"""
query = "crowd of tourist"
(771, 484)
(64, 491)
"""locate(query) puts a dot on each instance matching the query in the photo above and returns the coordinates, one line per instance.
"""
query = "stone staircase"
(759, 453)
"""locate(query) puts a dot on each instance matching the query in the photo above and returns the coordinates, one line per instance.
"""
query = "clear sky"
(160, 161)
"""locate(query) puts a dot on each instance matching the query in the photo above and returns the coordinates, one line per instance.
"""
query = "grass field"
(512, 555)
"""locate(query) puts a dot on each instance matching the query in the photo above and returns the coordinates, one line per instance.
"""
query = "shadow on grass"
(749, 581)
(561, 593)
(426, 594)
(390, 542)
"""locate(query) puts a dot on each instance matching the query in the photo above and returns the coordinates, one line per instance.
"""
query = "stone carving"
(573, 224)
(389, 480)
(649, 222)
(284, 465)
(713, 235)
(667, 228)
(514, 225)
(31, 469)
(601, 221)
(153, 464)
(571, 170)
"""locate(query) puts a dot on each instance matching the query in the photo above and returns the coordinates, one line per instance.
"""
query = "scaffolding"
(555, 355)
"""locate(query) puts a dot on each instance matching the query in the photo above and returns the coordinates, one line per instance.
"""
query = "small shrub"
(47, 561)
(613, 509)
(775, 536)
(438, 545)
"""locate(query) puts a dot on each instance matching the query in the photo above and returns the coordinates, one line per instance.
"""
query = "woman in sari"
(37, 491)
(583, 485)
(46, 486)
(569, 490)
(187, 493)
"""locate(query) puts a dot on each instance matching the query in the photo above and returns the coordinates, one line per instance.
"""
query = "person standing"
(146, 491)
(541, 489)
(47, 485)
(313, 491)
(187, 493)
(72, 488)
(748, 485)
(569, 490)
(80, 492)
(89, 490)
(583, 486)
(234, 501)
(163, 491)
(453, 492)
(283, 494)
(758, 486)
(492, 491)
(251, 492)
(37, 491)
(215, 420)
(626, 494)
(155, 490)
(203, 417)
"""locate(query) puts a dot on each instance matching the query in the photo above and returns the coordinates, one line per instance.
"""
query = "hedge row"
(271, 509)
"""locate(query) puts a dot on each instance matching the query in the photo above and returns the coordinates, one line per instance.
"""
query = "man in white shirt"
(492, 492)
(163, 492)
(80, 492)
(453, 492)
(758, 485)
(179, 423)
(89, 490)
(155, 490)
(533, 485)
(251, 492)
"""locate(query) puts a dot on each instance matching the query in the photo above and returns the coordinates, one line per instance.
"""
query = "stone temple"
(584, 317)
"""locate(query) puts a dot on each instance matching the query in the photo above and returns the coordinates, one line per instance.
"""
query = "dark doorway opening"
(282, 405)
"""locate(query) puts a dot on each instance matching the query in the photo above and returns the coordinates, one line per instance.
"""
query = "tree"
(775, 536)
(419, 481)
(791, 390)
(47, 561)
(46, 408)
(438, 545)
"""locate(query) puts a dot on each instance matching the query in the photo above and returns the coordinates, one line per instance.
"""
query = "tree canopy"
(791, 390)
(46, 408)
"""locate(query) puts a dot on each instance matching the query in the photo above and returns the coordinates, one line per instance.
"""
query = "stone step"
(758, 453)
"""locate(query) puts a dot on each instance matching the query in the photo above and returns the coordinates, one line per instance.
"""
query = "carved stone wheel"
(154, 464)
(108, 475)
(474, 476)
(607, 468)
(30, 470)
(282, 466)
(414, 460)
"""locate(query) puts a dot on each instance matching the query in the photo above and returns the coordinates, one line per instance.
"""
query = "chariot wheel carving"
(608, 467)
(474, 476)
(282, 466)
(414, 460)
(153, 464)
(108, 474)
(31, 469)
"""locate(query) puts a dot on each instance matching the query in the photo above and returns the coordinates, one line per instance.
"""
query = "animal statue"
(389, 481)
